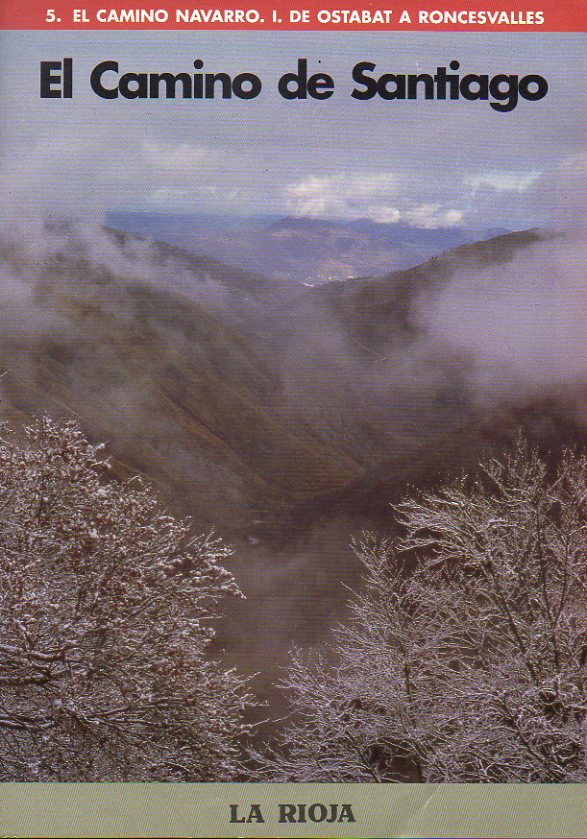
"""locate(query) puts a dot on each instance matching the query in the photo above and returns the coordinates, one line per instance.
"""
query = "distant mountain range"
(303, 249)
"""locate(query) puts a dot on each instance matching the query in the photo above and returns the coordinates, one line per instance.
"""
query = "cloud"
(432, 216)
(180, 161)
(78, 175)
(345, 195)
(382, 197)
(522, 322)
(505, 181)
(499, 197)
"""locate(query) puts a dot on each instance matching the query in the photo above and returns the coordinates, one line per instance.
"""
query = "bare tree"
(465, 656)
(105, 610)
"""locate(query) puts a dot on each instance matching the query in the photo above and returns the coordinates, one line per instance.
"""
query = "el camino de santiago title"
(108, 81)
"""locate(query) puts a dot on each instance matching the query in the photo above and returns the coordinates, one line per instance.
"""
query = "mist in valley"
(287, 417)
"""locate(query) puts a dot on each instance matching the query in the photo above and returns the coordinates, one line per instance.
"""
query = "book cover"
(293, 329)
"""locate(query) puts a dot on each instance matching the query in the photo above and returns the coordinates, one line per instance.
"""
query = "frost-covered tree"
(105, 610)
(465, 656)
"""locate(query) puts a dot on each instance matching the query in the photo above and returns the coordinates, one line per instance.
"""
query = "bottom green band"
(301, 810)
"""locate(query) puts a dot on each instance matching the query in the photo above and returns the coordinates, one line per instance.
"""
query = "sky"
(424, 163)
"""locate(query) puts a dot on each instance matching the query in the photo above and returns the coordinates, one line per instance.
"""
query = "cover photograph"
(293, 419)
